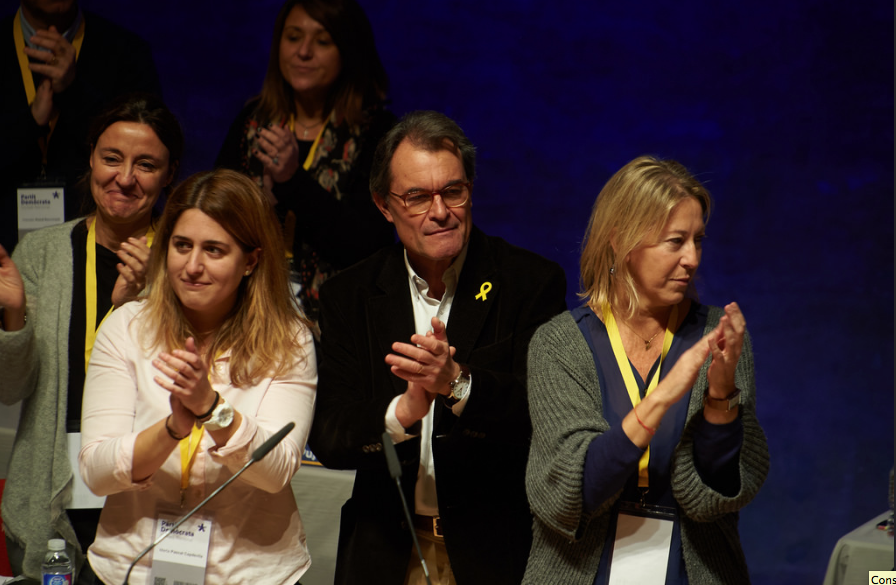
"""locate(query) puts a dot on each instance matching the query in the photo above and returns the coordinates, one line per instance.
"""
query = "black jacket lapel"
(477, 292)
(390, 314)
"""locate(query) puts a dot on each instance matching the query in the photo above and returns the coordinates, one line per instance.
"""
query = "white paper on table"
(641, 551)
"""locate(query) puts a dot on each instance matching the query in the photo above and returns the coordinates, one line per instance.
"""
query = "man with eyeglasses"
(427, 340)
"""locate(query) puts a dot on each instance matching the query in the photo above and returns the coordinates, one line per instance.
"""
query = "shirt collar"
(449, 278)
(29, 31)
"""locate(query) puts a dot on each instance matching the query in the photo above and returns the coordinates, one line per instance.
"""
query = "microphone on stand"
(395, 472)
(256, 456)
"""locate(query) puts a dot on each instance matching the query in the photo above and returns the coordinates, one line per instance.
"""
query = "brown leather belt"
(429, 524)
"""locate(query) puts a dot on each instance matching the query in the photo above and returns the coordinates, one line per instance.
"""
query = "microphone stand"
(257, 455)
(395, 472)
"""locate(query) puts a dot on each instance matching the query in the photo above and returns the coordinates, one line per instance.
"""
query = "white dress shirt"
(425, 308)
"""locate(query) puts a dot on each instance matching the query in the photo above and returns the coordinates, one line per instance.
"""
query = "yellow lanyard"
(310, 157)
(90, 327)
(187, 451)
(628, 377)
(188, 447)
(27, 77)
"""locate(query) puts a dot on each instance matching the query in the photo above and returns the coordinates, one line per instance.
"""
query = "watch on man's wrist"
(724, 404)
(458, 387)
(220, 418)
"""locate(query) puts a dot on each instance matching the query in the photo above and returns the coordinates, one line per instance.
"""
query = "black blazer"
(480, 457)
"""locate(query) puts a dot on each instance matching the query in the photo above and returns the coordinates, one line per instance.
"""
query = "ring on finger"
(276, 160)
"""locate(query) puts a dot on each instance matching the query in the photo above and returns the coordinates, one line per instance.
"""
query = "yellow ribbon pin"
(483, 290)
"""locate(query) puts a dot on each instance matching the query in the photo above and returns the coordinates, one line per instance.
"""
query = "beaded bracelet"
(648, 429)
(171, 432)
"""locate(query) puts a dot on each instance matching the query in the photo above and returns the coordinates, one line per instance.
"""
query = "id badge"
(182, 557)
(643, 540)
(39, 205)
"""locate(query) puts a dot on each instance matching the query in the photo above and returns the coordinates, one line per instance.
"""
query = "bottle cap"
(56, 544)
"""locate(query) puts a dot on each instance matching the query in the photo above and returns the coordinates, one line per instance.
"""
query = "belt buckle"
(437, 527)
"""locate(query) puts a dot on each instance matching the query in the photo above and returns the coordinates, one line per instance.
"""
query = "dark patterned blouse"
(326, 212)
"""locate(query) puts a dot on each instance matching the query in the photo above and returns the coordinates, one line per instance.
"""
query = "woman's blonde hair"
(634, 205)
(264, 326)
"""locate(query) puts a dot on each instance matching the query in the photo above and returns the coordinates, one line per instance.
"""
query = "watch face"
(459, 386)
(458, 390)
(221, 418)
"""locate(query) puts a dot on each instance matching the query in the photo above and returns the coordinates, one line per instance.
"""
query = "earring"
(612, 270)
(248, 272)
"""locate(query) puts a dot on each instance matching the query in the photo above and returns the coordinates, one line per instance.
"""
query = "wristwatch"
(725, 404)
(220, 418)
(459, 387)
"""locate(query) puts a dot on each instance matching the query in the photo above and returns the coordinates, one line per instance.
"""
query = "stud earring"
(612, 270)
(248, 272)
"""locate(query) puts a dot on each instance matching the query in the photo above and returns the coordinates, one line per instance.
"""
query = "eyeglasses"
(419, 202)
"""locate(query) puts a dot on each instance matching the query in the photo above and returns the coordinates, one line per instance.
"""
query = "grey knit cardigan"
(34, 366)
(567, 413)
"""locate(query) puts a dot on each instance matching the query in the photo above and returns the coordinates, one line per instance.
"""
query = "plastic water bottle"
(57, 568)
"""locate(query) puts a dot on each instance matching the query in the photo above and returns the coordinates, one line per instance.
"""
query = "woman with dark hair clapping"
(57, 288)
(308, 138)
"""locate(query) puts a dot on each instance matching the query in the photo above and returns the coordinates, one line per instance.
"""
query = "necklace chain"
(307, 128)
(646, 341)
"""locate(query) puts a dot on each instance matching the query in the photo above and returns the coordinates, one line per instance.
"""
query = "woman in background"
(65, 279)
(308, 138)
(637, 436)
(184, 385)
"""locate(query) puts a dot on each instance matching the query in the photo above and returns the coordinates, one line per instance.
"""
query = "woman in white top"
(184, 386)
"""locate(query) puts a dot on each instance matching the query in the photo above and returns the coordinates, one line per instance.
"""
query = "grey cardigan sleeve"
(18, 354)
(566, 411)
(18, 362)
(697, 500)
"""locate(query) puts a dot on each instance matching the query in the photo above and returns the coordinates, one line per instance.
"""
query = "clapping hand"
(683, 374)
(427, 361)
(726, 343)
(278, 151)
(134, 256)
(57, 65)
(428, 366)
(185, 376)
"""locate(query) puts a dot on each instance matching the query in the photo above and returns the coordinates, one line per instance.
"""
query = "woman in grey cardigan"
(58, 280)
(645, 440)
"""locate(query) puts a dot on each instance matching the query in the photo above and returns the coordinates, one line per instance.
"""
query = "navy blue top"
(611, 463)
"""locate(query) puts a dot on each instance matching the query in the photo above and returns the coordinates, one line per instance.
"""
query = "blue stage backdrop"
(784, 109)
